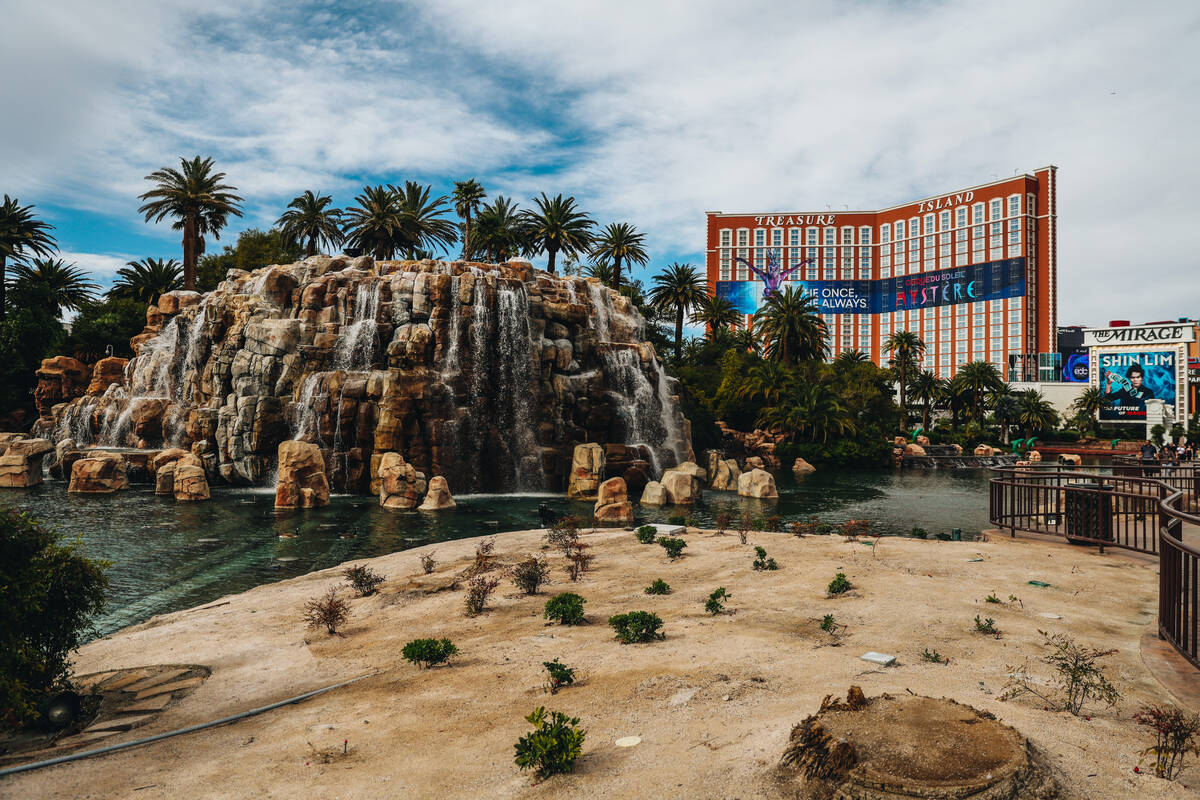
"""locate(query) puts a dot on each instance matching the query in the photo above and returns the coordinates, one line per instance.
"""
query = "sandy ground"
(713, 703)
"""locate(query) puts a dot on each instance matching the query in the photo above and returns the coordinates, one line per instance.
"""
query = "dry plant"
(479, 589)
(363, 579)
(1176, 733)
(1077, 674)
(579, 560)
(428, 562)
(723, 520)
(327, 611)
(530, 574)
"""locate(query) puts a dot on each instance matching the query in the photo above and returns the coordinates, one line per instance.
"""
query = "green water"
(167, 556)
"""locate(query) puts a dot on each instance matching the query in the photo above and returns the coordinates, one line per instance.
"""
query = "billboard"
(1130, 378)
(1075, 365)
(993, 280)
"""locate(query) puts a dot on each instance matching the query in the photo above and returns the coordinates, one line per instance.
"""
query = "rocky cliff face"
(486, 375)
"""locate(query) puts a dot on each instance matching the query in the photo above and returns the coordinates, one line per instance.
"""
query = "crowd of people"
(1169, 453)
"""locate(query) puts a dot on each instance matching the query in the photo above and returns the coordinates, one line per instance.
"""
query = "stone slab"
(666, 530)
(121, 683)
(167, 688)
(118, 724)
(156, 703)
(155, 680)
(882, 659)
(88, 681)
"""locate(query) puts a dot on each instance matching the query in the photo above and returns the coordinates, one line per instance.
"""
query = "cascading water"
(355, 350)
(600, 300)
(516, 414)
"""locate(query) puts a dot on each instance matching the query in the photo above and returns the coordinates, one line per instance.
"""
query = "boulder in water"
(400, 485)
(21, 464)
(985, 450)
(914, 449)
(103, 473)
(302, 482)
(164, 479)
(612, 502)
(438, 496)
(587, 469)
(59, 380)
(105, 373)
(755, 462)
(725, 477)
(802, 467)
(190, 482)
(682, 488)
(654, 494)
(757, 483)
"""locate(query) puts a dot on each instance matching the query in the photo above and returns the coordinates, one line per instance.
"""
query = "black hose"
(112, 748)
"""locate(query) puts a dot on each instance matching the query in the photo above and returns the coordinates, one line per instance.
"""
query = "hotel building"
(973, 272)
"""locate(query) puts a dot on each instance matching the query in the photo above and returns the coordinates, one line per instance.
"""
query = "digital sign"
(1129, 379)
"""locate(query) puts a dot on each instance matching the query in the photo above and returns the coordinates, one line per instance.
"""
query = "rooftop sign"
(1139, 334)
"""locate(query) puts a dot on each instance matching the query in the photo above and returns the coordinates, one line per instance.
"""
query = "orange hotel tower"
(973, 271)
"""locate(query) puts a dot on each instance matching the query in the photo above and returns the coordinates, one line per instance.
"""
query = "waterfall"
(641, 419)
(450, 365)
(355, 350)
(600, 300)
(304, 423)
(518, 389)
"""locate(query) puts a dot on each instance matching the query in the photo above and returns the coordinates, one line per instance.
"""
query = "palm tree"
(813, 409)
(499, 231)
(145, 280)
(765, 380)
(620, 241)
(1007, 411)
(468, 195)
(716, 313)
(425, 225)
(979, 379)
(601, 271)
(850, 358)
(199, 202)
(310, 219)
(66, 283)
(680, 287)
(906, 348)
(1036, 413)
(375, 223)
(925, 389)
(21, 235)
(791, 328)
(558, 225)
(1089, 403)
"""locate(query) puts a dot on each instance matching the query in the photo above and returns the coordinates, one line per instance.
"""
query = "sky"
(647, 112)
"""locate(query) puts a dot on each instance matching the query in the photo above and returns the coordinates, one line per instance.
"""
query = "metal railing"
(1128, 504)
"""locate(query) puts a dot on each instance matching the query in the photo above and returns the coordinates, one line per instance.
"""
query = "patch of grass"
(986, 626)
(658, 587)
(714, 605)
(530, 574)
(637, 626)
(327, 611)
(427, 652)
(565, 609)
(479, 589)
(839, 585)
(560, 675)
(646, 534)
(553, 746)
(762, 561)
(363, 579)
(673, 546)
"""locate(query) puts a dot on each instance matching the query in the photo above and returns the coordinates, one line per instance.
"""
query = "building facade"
(973, 272)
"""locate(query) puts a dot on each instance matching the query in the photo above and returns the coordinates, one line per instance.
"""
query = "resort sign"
(1139, 334)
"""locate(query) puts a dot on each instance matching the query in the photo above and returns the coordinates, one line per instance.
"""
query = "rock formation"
(612, 502)
(21, 464)
(725, 476)
(681, 487)
(302, 482)
(190, 481)
(802, 467)
(438, 496)
(757, 483)
(486, 375)
(400, 485)
(587, 470)
(102, 473)
(654, 494)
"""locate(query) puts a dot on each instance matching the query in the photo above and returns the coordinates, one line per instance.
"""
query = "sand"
(713, 703)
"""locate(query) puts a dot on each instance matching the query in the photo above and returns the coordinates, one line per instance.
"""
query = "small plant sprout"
(483, 555)
(560, 675)
(1077, 674)
(673, 546)
(723, 520)
(425, 653)
(828, 624)
(327, 611)
(530, 574)
(1176, 733)
(579, 560)
(553, 746)
(646, 534)
(934, 657)
(745, 526)
(714, 605)
(563, 534)
(839, 585)
(565, 609)
(428, 562)
(636, 626)
(991, 598)
(478, 590)
(659, 586)
(762, 561)
(363, 579)
(986, 626)
(1012, 598)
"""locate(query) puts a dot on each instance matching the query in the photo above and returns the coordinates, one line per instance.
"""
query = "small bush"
(428, 562)
(673, 546)
(919, 533)
(637, 626)
(479, 589)
(773, 523)
(427, 652)
(987, 626)
(363, 579)
(839, 585)
(553, 746)
(658, 587)
(579, 560)
(646, 534)
(563, 534)
(327, 611)
(852, 529)
(714, 605)
(1176, 733)
(677, 519)
(483, 555)
(723, 520)
(761, 561)
(560, 675)
(530, 574)
(827, 623)
(991, 598)
(934, 657)
(1078, 675)
(565, 609)
(745, 526)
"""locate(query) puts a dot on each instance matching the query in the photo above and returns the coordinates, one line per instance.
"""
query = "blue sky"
(650, 113)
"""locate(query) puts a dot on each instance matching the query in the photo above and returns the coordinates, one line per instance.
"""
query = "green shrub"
(427, 652)
(637, 626)
(677, 519)
(827, 623)
(553, 746)
(933, 657)
(1078, 675)
(691, 522)
(987, 626)
(673, 546)
(761, 561)
(560, 675)
(646, 534)
(919, 533)
(530, 574)
(991, 598)
(565, 609)
(363, 579)
(839, 585)
(714, 605)
(659, 587)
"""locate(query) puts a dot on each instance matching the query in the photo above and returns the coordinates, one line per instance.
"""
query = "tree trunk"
(189, 251)
(925, 417)
(552, 252)
(616, 276)
(679, 333)
(311, 250)
(903, 398)
(3, 285)
(467, 237)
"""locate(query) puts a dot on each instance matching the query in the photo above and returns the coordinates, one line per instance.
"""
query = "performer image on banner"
(1132, 394)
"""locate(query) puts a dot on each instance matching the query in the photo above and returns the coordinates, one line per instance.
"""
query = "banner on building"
(1075, 365)
(1129, 379)
(994, 280)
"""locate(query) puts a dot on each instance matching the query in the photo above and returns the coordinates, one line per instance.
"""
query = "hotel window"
(1014, 315)
(977, 213)
(960, 346)
(885, 260)
(1014, 343)
(743, 238)
(944, 311)
(1015, 302)
(1014, 330)
(760, 238)
(914, 226)
(885, 272)
(847, 235)
(811, 237)
(830, 237)
(997, 208)
(1014, 231)
(997, 345)
(864, 263)
(960, 358)
(777, 237)
(997, 318)
(1014, 205)
(885, 234)
(928, 223)
(945, 221)
(794, 237)
(899, 256)
(864, 235)
(960, 247)
(900, 229)
(960, 217)
(944, 359)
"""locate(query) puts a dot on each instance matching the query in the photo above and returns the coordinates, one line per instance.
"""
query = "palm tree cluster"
(978, 388)
(22, 236)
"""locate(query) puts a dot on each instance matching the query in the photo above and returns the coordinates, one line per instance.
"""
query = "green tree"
(29, 333)
(375, 223)
(791, 328)
(145, 280)
(198, 201)
(254, 249)
(21, 235)
(620, 242)
(678, 287)
(601, 271)
(468, 195)
(925, 388)
(424, 222)
(765, 381)
(1007, 411)
(716, 313)
(849, 358)
(979, 379)
(558, 226)
(112, 321)
(1089, 403)
(809, 410)
(310, 219)
(499, 232)
(67, 283)
(1036, 414)
(906, 349)
(49, 593)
